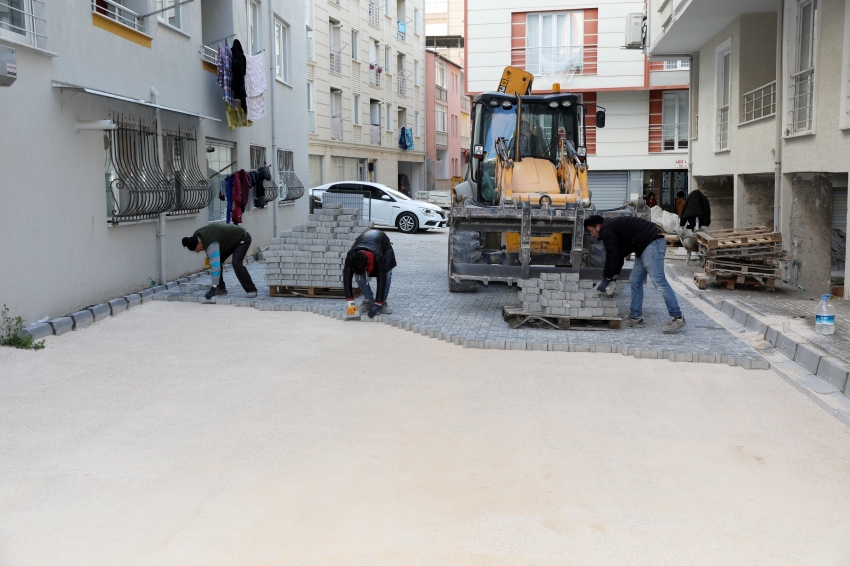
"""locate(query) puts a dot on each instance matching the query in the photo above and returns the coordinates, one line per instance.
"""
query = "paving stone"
(172, 285)
(807, 357)
(771, 334)
(61, 325)
(38, 330)
(754, 324)
(82, 319)
(146, 293)
(832, 371)
(99, 312)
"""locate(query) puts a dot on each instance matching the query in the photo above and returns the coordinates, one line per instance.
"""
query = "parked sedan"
(388, 206)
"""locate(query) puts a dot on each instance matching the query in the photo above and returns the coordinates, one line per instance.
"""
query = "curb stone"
(38, 330)
(99, 312)
(61, 325)
(82, 319)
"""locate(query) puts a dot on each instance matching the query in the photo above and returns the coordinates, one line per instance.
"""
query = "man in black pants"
(371, 255)
(220, 242)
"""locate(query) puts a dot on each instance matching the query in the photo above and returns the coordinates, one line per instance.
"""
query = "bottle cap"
(825, 297)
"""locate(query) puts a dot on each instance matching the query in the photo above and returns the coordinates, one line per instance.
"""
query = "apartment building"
(770, 118)
(115, 141)
(365, 82)
(444, 28)
(583, 47)
(447, 115)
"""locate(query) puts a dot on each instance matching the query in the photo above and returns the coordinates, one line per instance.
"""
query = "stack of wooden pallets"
(747, 256)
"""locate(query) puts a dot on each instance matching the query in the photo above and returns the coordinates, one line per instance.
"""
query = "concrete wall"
(720, 193)
(754, 200)
(810, 230)
(65, 255)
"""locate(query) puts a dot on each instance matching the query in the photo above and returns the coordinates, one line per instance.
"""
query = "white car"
(388, 206)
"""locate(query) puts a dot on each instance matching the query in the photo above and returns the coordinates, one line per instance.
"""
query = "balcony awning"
(695, 22)
(75, 88)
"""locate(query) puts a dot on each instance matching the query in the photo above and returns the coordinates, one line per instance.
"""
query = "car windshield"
(395, 194)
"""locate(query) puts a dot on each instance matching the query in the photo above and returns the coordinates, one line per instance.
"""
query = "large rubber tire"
(407, 223)
(465, 248)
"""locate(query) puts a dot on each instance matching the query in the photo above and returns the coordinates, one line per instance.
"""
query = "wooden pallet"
(703, 279)
(672, 241)
(516, 317)
(756, 236)
(768, 250)
(314, 292)
(755, 270)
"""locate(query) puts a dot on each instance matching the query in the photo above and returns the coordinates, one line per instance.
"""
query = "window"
(441, 74)
(677, 65)
(355, 114)
(172, 16)
(355, 45)
(724, 94)
(802, 83)
(290, 184)
(436, 6)
(281, 50)
(388, 53)
(334, 45)
(221, 162)
(387, 7)
(258, 159)
(554, 43)
(674, 120)
(374, 14)
(310, 49)
(315, 170)
(416, 124)
(389, 117)
(415, 73)
(21, 22)
(336, 114)
(440, 114)
(311, 106)
(255, 28)
(416, 21)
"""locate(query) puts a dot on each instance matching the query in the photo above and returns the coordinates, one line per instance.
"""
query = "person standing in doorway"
(220, 241)
(680, 203)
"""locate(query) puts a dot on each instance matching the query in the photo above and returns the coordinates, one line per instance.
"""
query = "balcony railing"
(401, 31)
(311, 120)
(464, 104)
(442, 94)
(20, 18)
(375, 134)
(464, 142)
(562, 60)
(209, 54)
(668, 137)
(119, 13)
(442, 139)
(760, 102)
(802, 101)
(402, 85)
(723, 128)
(374, 15)
(310, 47)
(336, 61)
(374, 74)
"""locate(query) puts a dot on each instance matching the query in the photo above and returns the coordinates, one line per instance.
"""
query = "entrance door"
(221, 162)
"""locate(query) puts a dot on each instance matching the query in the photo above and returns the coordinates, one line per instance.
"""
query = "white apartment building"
(444, 28)
(365, 82)
(770, 118)
(582, 46)
(115, 140)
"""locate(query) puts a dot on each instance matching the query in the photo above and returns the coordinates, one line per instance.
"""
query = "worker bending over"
(371, 255)
(623, 236)
(220, 242)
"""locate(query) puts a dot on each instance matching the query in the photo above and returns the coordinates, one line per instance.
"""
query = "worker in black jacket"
(371, 256)
(625, 235)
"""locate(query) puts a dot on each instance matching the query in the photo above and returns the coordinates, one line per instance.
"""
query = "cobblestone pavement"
(421, 302)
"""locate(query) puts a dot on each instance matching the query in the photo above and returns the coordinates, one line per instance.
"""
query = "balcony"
(402, 85)
(375, 134)
(801, 101)
(464, 104)
(464, 142)
(553, 61)
(119, 13)
(19, 22)
(209, 54)
(374, 15)
(759, 103)
(311, 121)
(336, 61)
(442, 139)
(374, 74)
(402, 31)
(442, 94)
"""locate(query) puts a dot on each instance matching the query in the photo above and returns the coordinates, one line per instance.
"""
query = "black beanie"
(190, 243)
(593, 220)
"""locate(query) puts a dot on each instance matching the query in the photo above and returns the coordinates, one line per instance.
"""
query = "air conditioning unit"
(634, 31)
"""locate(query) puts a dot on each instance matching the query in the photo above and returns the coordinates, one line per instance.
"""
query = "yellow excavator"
(520, 212)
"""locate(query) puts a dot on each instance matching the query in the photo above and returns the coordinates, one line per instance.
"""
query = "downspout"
(691, 123)
(160, 156)
(273, 168)
(777, 151)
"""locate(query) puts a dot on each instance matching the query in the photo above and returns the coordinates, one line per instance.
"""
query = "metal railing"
(554, 60)
(310, 47)
(442, 138)
(374, 74)
(192, 191)
(334, 2)
(400, 35)
(374, 15)
(336, 61)
(464, 142)
(311, 120)
(119, 13)
(802, 101)
(21, 19)
(760, 102)
(209, 54)
(375, 134)
(441, 94)
(402, 85)
(723, 128)
(464, 104)
(294, 186)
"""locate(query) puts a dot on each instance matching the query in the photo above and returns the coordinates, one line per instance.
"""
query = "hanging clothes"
(408, 139)
(255, 85)
(241, 194)
(228, 182)
(260, 176)
(238, 66)
(225, 72)
(236, 117)
(401, 138)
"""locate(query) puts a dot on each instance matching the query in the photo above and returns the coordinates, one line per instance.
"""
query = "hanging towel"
(408, 139)
(238, 66)
(401, 143)
(256, 108)
(255, 75)
(402, 27)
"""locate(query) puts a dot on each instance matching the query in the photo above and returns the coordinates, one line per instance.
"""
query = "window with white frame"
(415, 73)
(25, 20)
(311, 106)
(335, 46)
(554, 43)
(723, 95)
(440, 114)
(674, 120)
(255, 27)
(355, 45)
(336, 114)
(355, 107)
(387, 7)
(171, 17)
(388, 53)
(677, 65)
(802, 80)
(310, 45)
(416, 124)
(416, 21)
(389, 117)
(441, 74)
(281, 50)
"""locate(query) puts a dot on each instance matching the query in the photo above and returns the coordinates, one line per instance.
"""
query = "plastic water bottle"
(825, 316)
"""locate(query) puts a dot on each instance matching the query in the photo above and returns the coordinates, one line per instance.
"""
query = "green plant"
(10, 333)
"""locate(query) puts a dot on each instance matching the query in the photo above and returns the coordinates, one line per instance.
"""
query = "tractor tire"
(465, 247)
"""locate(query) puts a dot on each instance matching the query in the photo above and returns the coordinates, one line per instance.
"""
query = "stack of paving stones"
(313, 254)
(564, 294)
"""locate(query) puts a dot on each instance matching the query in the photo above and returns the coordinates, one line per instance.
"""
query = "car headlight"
(427, 211)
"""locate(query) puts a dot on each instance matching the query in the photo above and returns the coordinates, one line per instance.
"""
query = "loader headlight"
(494, 103)
(507, 105)
(582, 151)
(553, 104)
(566, 104)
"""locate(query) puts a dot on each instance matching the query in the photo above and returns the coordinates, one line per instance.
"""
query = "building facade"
(123, 140)
(447, 115)
(581, 46)
(770, 119)
(444, 28)
(365, 82)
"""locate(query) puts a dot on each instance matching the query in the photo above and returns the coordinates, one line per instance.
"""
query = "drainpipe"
(273, 169)
(159, 155)
(690, 122)
(777, 151)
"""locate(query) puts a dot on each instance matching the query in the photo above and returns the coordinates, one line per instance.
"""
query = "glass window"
(355, 114)
(315, 166)
(441, 74)
(554, 43)
(416, 123)
(415, 73)
(255, 30)
(355, 45)
(440, 115)
(389, 117)
(281, 49)
(724, 95)
(172, 16)
(674, 120)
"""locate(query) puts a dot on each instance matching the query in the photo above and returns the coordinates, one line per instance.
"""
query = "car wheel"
(407, 223)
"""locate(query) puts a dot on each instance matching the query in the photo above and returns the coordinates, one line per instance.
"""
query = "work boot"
(220, 291)
(675, 324)
(387, 309)
(251, 295)
(630, 322)
(366, 306)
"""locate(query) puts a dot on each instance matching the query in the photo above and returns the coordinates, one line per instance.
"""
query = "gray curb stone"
(133, 300)
(807, 357)
(146, 293)
(786, 345)
(38, 330)
(82, 319)
(117, 306)
(61, 325)
(99, 312)
(833, 372)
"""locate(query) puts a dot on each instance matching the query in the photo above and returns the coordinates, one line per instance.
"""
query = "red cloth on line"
(241, 189)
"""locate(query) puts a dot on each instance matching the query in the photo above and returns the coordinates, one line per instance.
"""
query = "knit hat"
(593, 220)
(190, 243)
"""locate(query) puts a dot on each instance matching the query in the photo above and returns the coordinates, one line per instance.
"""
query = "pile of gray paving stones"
(564, 294)
(312, 255)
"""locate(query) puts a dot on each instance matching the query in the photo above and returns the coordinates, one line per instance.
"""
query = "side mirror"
(600, 118)
(385, 197)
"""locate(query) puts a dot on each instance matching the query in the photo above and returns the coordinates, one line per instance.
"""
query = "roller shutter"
(608, 188)
(839, 208)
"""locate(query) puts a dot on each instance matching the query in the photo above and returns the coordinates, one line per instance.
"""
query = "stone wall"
(754, 200)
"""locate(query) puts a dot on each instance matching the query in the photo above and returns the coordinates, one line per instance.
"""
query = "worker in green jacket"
(220, 241)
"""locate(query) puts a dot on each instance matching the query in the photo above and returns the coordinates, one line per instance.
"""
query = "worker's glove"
(607, 286)
(352, 308)
(376, 308)
(210, 294)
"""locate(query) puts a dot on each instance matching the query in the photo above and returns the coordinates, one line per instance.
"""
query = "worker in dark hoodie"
(371, 256)
(220, 241)
(626, 235)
